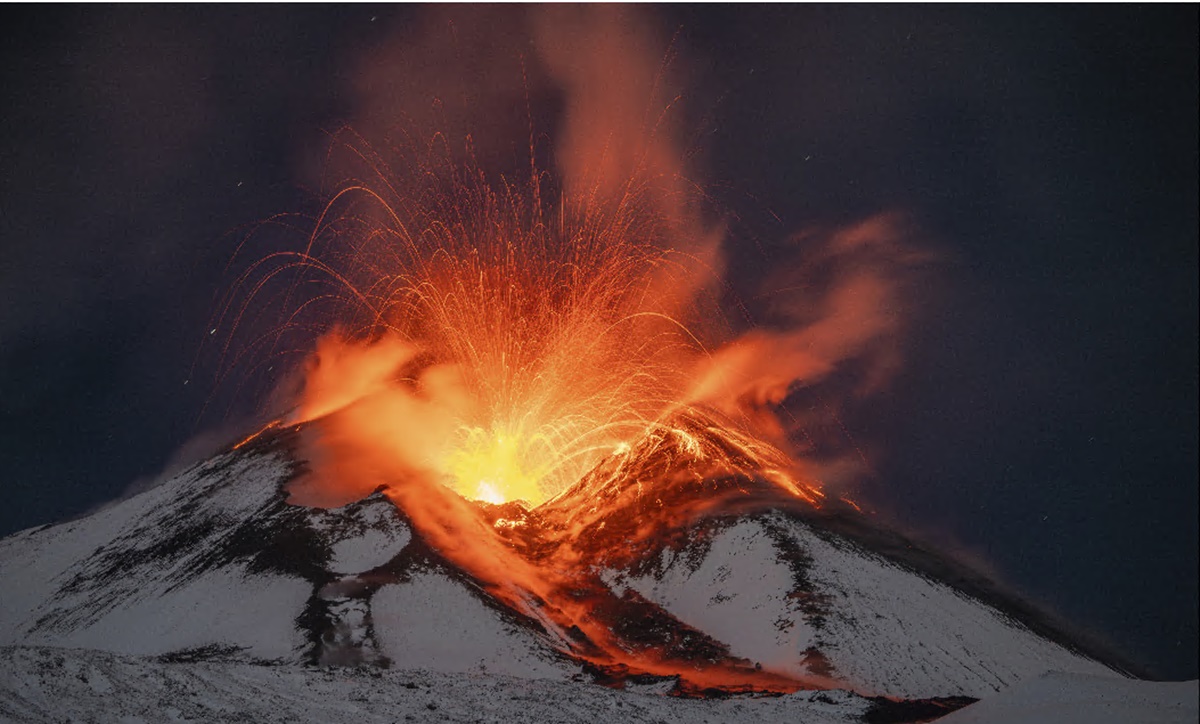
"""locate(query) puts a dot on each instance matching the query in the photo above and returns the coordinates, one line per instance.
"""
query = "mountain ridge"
(216, 564)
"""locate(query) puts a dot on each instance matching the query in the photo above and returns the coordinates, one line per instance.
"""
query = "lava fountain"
(501, 349)
(559, 341)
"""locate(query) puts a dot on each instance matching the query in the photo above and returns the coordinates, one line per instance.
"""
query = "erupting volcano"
(568, 363)
(532, 428)
(505, 354)
(547, 373)
(560, 346)
(502, 323)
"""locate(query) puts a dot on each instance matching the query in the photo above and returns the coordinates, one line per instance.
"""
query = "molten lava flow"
(544, 563)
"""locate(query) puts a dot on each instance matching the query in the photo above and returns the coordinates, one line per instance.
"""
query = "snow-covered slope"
(193, 562)
(792, 597)
(1059, 698)
(214, 561)
(212, 583)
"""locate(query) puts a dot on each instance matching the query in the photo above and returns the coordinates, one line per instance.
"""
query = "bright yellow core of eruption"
(495, 467)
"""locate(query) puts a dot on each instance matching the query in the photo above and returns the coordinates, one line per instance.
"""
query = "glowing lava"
(497, 347)
(559, 342)
(493, 465)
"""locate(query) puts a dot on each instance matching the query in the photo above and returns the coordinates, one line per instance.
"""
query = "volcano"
(652, 574)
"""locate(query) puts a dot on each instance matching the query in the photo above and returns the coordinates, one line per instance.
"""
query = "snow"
(883, 629)
(111, 581)
(373, 548)
(437, 623)
(1062, 698)
(363, 535)
(255, 613)
(900, 634)
(737, 595)
(214, 569)
(58, 565)
(55, 685)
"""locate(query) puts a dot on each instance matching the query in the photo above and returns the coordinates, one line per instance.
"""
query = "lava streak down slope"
(709, 581)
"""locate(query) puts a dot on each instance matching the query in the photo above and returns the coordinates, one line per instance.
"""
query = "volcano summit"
(647, 577)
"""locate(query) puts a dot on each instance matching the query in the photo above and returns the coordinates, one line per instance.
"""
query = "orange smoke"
(556, 340)
(391, 416)
(841, 299)
(504, 335)
(501, 349)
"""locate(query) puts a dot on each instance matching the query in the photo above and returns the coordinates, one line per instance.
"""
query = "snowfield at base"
(69, 685)
(57, 685)
(1060, 698)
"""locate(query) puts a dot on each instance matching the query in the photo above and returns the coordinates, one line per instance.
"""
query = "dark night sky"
(1046, 419)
